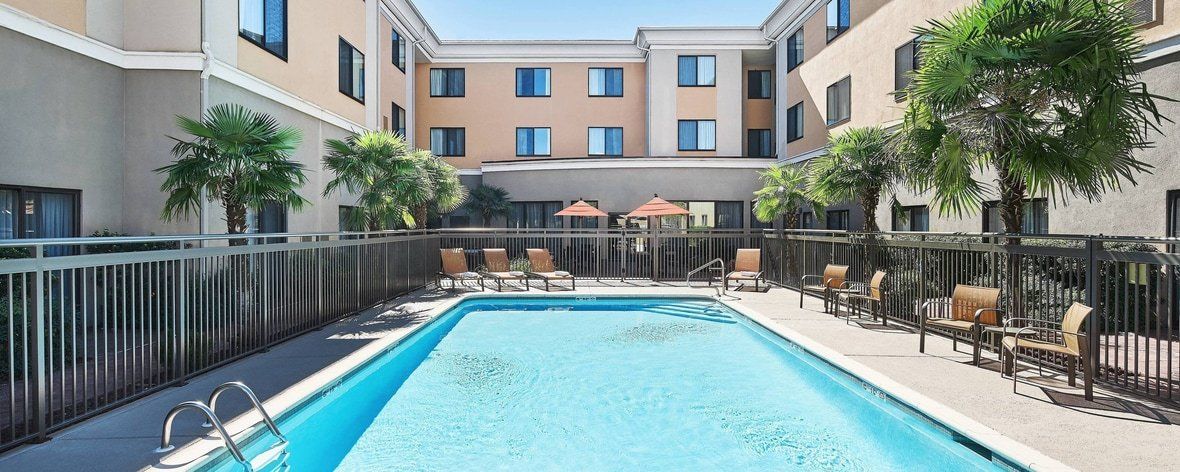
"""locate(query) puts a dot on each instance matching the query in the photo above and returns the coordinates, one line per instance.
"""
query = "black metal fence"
(124, 317)
(1131, 282)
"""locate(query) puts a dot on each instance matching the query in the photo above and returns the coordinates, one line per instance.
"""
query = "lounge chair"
(454, 268)
(500, 270)
(862, 294)
(971, 308)
(746, 266)
(835, 279)
(542, 268)
(1065, 339)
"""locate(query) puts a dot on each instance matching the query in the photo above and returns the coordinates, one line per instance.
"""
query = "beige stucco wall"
(311, 69)
(393, 80)
(490, 110)
(68, 14)
(670, 103)
(156, 25)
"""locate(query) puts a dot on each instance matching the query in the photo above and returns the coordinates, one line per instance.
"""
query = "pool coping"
(205, 449)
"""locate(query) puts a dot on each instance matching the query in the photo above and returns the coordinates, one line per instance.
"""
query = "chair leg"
(1013, 370)
(976, 349)
(1087, 373)
(922, 337)
(1071, 366)
(802, 293)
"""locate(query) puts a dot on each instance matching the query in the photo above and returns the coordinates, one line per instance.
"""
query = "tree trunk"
(1012, 190)
(420, 215)
(792, 220)
(235, 218)
(868, 205)
(487, 221)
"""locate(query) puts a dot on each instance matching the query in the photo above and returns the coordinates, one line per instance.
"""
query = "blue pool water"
(610, 384)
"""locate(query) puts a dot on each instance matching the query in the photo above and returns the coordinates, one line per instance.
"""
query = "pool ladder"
(212, 420)
(716, 267)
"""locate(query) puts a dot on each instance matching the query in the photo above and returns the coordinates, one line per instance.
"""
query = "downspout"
(206, 70)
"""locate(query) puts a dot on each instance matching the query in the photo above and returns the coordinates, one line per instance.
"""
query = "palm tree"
(782, 194)
(237, 157)
(489, 201)
(391, 182)
(1044, 92)
(858, 166)
(447, 193)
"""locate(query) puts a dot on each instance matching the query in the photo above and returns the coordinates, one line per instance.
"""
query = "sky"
(582, 19)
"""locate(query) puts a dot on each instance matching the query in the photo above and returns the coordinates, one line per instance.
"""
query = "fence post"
(266, 337)
(39, 392)
(180, 344)
(1092, 287)
(921, 275)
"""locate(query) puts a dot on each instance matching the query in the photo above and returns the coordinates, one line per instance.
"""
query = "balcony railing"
(115, 319)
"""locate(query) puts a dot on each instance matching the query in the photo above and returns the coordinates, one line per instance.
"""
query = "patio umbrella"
(657, 207)
(582, 209)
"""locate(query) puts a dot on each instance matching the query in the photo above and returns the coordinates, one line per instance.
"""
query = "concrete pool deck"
(1115, 432)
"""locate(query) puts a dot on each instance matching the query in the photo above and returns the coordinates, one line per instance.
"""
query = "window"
(795, 122)
(459, 221)
(837, 219)
(1173, 214)
(271, 218)
(698, 135)
(532, 82)
(447, 82)
(605, 142)
(399, 51)
(450, 142)
(759, 143)
(838, 18)
(535, 215)
(585, 221)
(1036, 217)
(399, 120)
(1142, 11)
(605, 82)
(912, 218)
(344, 216)
(807, 220)
(721, 215)
(697, 71)
(795, 50)
(532, 141)
(840, 101)
(905, 61)
(28, 212)
(264, 23)
(352, 71)
(760, 83)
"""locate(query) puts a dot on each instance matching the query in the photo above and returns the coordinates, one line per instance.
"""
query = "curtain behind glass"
(524, 141)
(358, 74)
(437, 82)
(707, 135)
(541, 142)
(597, 141)
(688, 135)
(614, 82)
(54, 213)
(729, 215)
(597, 84)
(706, 70)
(614, 141)
(276, 26)
(436, 142)
(250, 21)
(8, 214)
(687, 71)
(550, 208)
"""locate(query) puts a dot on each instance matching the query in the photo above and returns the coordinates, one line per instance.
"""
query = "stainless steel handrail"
(166, 434)
(270, 423)
(716, 263)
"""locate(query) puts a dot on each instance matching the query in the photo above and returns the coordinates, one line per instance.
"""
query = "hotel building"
(91, 88)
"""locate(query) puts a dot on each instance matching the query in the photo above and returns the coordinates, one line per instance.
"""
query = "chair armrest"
(923, 309)
(1008, 322)
(981, 311)
(861, 287)
(803, 279)
(1032, 330)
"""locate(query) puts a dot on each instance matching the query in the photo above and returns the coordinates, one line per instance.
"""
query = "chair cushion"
(814, 288)
(507, 275)
(742, 275)
(961, 325)
(1027, 343)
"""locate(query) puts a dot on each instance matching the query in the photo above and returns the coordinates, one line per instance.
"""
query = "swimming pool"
(606, 384)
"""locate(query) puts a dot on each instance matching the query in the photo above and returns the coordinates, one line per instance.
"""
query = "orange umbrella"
(581, 208)
(657, 207)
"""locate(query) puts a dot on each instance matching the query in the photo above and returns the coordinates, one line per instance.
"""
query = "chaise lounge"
(499, 269)
(542, 268)
(454, 268)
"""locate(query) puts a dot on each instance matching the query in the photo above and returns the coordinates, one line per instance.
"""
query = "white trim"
(630, 163)
(269, 91)
(1161, 48)
(806, 156)
(37, 28)
(470, 172)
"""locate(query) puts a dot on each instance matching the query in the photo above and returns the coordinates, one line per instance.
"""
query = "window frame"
(989, 205)
(361, 99)
(399, 50)
(262, 43)
(1172, 206)
(697, 59)
(769, 151)
(798, 121)
(829, 218)
(792, 50)
(687, 205)
(604, 147)
(516, 76)
(680, 146)
(749, 82)
(398, 117)
(516, 135)
(915, 46)
(445, 129)
(828, 119)
(847, 4)
(909, 211)
(548, 217)
(622, 82)
(18, 223)
(447, 71)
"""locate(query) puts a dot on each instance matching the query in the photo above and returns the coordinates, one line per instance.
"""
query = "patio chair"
(862, 294)
(971, 308)
(1065, 339)
(542, 268)
(500, 270)
(454, 268)
(746, 266)
(835, 279)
